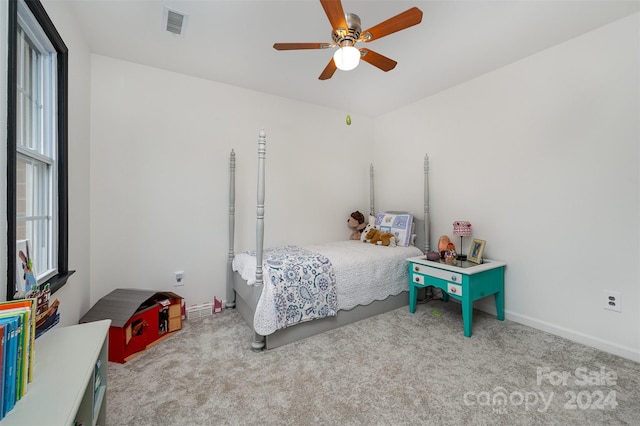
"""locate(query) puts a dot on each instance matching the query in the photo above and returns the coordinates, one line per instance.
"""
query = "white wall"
(4, 23)
(74, 296)
(160, 145)
(542, 157)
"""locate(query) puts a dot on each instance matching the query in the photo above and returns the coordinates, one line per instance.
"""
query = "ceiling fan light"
(346, 58)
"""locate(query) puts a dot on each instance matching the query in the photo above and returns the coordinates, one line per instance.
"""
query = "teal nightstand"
(465, 282)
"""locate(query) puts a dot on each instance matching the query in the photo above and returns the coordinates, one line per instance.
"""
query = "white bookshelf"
(63, 390)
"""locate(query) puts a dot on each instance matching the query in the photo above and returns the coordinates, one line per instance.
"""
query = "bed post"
(258, 340)
(231, 294)
(427, 226)
(372, 203)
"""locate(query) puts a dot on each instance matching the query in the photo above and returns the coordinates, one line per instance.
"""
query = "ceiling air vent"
(175, 22)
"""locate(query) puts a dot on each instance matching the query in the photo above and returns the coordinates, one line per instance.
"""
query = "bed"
(336, 283)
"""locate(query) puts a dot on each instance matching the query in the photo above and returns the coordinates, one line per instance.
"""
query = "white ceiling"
(231, 42)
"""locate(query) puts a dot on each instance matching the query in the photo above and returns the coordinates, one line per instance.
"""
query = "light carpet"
(393, 369)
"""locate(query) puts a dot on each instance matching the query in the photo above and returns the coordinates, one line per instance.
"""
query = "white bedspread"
(364, 273)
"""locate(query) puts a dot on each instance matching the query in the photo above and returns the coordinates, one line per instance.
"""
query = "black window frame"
(62, 85)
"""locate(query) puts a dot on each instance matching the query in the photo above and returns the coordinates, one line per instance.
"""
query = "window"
(37, 145)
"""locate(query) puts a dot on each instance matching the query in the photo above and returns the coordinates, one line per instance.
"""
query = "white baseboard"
(575, 336)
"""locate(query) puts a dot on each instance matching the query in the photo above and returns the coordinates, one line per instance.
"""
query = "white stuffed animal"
(371, 224)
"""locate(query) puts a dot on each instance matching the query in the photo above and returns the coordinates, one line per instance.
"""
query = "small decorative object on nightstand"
(475, 252)
(433, 255)
(461, 229)
(443, 242)
(450, 255)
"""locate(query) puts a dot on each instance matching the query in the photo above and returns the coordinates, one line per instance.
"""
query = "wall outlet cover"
(612, 301)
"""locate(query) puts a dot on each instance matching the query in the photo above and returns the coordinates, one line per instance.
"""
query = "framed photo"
(475, 252)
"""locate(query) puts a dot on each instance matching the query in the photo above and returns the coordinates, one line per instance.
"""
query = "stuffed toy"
(356, 221)
(370, 225)
(375, 236)
(370, 235)
(387, 239)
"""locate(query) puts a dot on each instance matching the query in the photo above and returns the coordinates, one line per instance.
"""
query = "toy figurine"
(450, 255)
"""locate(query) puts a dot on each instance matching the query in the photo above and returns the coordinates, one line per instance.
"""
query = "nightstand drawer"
(437, 273)
(418, 279)
(454, 289)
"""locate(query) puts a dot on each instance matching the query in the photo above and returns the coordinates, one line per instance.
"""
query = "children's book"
(18, 355)
(43, 294)
(11, 355)
(30, 337)
(52, 318)
(25, 273)
(19, 316)
(24, 356)
(2, 366)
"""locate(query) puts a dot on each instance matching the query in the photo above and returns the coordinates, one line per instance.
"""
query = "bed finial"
(258, 341)
(372, 202)
(231, 294)
(262, 142)
(427, 226)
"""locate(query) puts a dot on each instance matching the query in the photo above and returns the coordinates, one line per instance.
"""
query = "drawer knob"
(453, 277)
(417, 268)
(417, 279)
(453, 289)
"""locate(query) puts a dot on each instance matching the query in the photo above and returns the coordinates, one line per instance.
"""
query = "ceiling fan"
(347, 32)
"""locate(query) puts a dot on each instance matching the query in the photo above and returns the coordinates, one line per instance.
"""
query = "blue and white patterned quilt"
(363, 273)
(299, 284)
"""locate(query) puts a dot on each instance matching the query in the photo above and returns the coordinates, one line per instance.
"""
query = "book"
(51, 318)
(97, 382)
(19, 317)
(2, 366)
(24, 309)
(42, 307)
(30, 303)
(27, 348)
(11, 352)
(25, 273)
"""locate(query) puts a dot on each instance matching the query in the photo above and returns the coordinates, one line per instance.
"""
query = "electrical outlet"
(179, 279)
(612, 300)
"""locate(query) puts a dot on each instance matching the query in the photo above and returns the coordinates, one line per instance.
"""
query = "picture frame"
(475, 251)
(25, 273)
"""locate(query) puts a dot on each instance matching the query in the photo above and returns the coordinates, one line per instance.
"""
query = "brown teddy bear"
(374, 236)
(356, 221)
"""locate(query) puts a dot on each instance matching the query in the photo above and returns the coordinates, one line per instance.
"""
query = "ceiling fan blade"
(335, 13)
(328, 71)
(299, 46)
(399, 22)
(377, 60)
